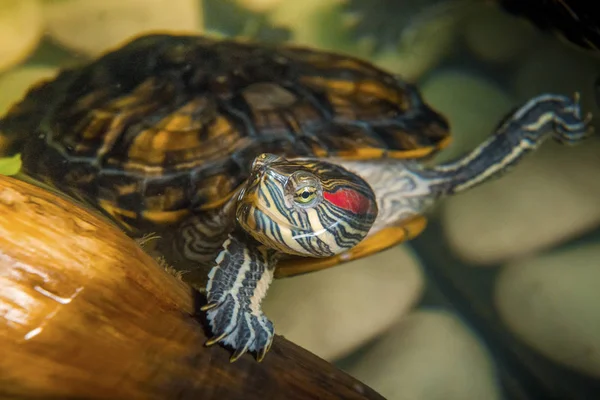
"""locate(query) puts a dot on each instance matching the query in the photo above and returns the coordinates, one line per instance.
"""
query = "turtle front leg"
(192, 246)
(237, 284)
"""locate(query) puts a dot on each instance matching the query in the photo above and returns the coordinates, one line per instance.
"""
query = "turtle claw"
(214, 340)
(237, 354)
(240, 352)
(208, 306)
(242, 329)
(261, 355)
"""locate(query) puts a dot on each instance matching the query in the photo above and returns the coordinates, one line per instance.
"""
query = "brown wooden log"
(86, 314)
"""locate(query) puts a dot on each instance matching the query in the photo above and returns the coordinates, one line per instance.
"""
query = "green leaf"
(10, 165)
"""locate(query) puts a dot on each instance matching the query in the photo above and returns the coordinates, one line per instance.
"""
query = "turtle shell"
(167, 125)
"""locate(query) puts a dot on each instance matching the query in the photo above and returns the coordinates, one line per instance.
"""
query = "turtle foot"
(242, 329)
(236, 286)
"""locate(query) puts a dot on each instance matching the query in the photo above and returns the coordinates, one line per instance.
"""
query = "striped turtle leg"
(237, 284)
(192, 246)
(520, 133)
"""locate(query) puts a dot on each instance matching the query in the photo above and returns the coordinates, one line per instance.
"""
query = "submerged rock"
(548, 199)
(429, 355)
(93, 27)
(472, 104)
(21, 29)
(551, 303)
(333, 312)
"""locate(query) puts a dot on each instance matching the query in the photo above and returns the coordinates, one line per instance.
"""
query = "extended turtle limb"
(520, 133)
(237, 284)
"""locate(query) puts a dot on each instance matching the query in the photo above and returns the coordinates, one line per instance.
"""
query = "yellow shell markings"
(196, 132)
(175, 135)
(370, 153)
(344, 96)
(185, 151)
(151, 147)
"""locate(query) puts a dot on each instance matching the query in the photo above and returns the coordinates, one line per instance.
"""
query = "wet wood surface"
(86, 314)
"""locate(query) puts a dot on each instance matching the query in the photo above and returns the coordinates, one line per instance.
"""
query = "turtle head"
(305, 207)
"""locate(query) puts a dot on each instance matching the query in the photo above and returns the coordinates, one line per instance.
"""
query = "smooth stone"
(334, 311)
(496, 36)
(472, 105)
(15, 83)
(549, 198)
(93, 27)
(551, 303)
(429, 355)
(21, 29)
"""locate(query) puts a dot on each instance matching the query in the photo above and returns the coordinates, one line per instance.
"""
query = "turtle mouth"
(251, 208)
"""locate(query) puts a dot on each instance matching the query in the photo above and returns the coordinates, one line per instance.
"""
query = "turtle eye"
(304, 189)
(306, 195)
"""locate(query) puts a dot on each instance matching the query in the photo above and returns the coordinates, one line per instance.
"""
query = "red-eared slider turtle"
(242, 156)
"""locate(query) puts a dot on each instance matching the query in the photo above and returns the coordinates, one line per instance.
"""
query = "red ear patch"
(350, 200)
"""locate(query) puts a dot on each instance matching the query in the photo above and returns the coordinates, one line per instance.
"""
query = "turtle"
(251, 161)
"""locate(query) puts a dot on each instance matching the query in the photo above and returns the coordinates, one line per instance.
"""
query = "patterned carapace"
(179, 119)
